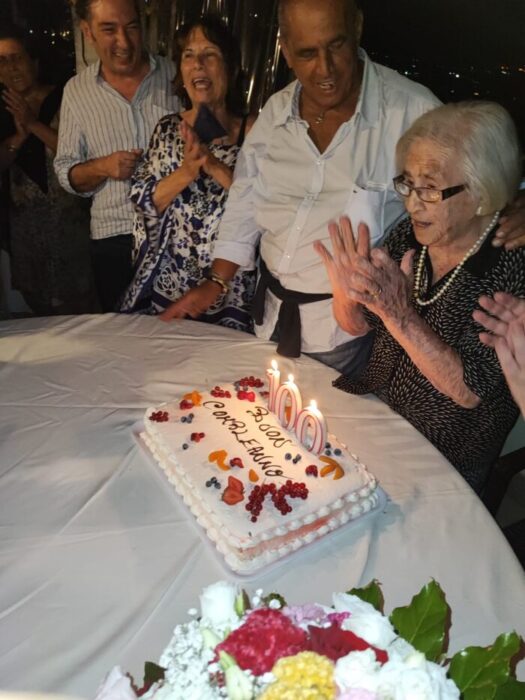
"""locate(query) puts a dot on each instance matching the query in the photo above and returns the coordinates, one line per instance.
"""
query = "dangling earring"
(479, 211)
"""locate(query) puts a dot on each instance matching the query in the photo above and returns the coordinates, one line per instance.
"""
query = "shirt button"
(319, 162)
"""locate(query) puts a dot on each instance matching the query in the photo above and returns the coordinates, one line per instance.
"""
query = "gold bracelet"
(13, 149)
(212, 277)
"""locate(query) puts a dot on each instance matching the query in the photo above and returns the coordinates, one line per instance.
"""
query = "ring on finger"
(376, 294)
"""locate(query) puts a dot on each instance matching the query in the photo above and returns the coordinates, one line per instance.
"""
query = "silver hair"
(483, 138)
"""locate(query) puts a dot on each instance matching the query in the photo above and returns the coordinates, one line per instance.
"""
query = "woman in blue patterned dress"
(180, 188)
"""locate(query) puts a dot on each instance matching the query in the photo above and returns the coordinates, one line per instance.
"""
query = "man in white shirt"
(108, 114)
(322, 147)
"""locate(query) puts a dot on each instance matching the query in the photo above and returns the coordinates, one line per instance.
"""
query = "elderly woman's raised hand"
(506, 322)
(394, 303)
(350, 272)
(360, 277)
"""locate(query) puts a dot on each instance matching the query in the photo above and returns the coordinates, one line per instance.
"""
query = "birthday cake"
(259, 489)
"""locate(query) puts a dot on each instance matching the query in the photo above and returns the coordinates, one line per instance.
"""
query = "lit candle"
(274, 380)
(311, 417)
(288, 390)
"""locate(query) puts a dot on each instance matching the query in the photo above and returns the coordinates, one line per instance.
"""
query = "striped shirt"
(95, 120)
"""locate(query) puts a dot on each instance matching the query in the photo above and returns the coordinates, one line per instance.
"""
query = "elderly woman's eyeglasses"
(425, 194)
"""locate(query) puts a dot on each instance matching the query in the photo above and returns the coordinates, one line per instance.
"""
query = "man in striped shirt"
(108, 114)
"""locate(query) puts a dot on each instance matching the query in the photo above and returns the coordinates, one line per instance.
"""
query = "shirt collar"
(367, 105)
(97, 65)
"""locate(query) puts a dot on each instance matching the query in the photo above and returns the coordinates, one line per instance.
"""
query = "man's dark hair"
(215, 31)
(14, 31)
(82, 8)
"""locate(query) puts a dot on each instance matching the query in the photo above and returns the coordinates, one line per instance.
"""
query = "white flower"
(116, 686)
(358, 669)
(415, 678)
(364, 620)
(399, 649)
(218, 604)
(165, 692)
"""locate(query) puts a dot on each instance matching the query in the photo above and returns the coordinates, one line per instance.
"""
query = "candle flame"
(290, 378)
(313, 404)
(274, 365)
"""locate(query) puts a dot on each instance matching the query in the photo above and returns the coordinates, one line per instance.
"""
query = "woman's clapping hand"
(195, 153)
(24, 116)
(504, 318)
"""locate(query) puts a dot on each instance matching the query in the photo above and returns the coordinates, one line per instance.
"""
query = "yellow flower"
(306, 676)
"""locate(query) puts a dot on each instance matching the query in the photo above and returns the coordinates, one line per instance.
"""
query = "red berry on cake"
(311, 470)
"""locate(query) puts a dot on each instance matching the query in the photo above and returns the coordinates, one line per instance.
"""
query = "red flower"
(265, 637)
(335, 643)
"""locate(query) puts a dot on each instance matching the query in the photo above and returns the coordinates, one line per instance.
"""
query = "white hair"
(483, 138)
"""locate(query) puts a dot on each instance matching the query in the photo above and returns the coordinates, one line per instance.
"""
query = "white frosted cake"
(255, 489)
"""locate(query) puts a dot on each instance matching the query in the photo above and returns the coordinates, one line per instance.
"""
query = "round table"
(98, 558)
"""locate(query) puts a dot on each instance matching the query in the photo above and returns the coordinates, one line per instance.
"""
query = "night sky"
(473, 32)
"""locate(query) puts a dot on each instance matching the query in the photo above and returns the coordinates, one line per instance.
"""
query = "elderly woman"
(180, 188)
(459, 166)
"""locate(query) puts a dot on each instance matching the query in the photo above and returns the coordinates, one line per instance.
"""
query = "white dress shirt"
(96, 120)
(285, 192)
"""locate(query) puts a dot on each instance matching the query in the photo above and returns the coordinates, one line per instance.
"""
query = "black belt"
(288, 324)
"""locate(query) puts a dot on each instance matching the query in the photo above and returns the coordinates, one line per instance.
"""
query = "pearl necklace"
(470, 252)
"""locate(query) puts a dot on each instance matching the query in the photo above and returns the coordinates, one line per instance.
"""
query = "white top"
(96, 120)
(285, 192)
(98, 557)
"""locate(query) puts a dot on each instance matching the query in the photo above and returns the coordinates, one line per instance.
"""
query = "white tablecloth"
(98, 559)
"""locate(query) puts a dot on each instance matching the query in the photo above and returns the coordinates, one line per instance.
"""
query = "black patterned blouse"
(471, 439)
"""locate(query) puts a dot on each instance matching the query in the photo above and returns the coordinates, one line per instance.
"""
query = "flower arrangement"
(242, 649)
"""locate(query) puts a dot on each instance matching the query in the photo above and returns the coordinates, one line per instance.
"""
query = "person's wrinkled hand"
(396, 282)
(506, 322)
(120, 165)
(511, 231)
(18, 106)
(348, 267)
(193, 303)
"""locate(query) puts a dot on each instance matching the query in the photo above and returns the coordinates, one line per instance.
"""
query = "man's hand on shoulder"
(511, 232)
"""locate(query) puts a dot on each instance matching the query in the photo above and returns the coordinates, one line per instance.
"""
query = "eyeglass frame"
(445, 193)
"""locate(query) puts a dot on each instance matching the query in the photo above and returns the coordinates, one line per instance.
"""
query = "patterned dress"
(471, 439)
(174, 251)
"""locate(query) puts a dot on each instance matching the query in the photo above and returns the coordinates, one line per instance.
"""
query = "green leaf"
(480, 671)
(152, 673)
(424, 622)
(370, 594)
(511, 690)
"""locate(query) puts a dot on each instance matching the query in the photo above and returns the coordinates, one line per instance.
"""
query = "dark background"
(460, 49)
